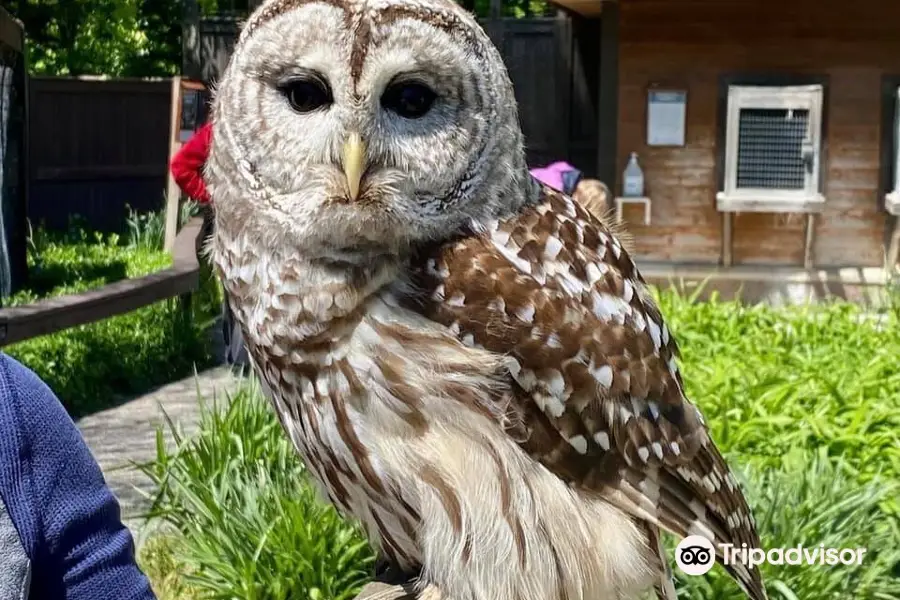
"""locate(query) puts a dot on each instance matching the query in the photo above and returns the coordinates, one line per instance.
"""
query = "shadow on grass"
(43, 279)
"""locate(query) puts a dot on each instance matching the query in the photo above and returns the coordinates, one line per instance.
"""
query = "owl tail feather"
(665, 584)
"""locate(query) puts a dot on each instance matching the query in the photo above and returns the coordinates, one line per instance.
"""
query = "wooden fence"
(554, 64)
(62, 312)
(13, 134)
(96, 146)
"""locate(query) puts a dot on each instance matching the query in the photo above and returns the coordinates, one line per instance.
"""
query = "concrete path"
(127, 433)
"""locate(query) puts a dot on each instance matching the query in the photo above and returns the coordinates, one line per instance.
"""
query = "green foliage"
(810, 377)
(91, 366)
(518, 9)
(249, 522)
(159, 22)
(101, 37)
(157, 559)
(803, 401)
(142, 38)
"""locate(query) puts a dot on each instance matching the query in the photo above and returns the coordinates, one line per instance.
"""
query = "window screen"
(770, 154)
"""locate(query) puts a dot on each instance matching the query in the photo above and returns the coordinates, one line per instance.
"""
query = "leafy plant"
(812, 377)
(250, 523)
(157, 558)
(135, 38)
(145, 230)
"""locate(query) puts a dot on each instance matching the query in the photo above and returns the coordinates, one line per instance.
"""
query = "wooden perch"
(383, 591)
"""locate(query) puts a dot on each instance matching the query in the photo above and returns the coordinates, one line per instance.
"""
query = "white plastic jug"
(633, 178)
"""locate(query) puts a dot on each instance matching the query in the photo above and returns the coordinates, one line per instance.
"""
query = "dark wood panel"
(738, 21)
(99, 172)
(102, 203)
(96, 146)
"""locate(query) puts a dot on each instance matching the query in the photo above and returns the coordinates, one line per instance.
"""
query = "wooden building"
(767, 131)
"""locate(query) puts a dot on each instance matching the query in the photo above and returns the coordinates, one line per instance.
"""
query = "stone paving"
(126, 433)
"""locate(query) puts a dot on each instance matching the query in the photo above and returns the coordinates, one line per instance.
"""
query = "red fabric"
(187, 164)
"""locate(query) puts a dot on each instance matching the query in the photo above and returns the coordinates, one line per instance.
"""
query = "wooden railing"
(47, 316)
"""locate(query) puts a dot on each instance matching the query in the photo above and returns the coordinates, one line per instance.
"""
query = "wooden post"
(727, 244)
(496, 9)
(173, 193)
(809, 244)
(893, 250)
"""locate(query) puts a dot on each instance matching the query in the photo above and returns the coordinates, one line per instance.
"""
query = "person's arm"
(187, 164)
(80, 550)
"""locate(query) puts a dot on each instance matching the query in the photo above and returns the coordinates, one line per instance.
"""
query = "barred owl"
(469, 363)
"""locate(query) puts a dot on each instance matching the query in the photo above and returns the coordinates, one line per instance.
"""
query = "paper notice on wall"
(666, 118)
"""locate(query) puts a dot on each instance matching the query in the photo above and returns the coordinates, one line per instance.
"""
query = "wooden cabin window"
(773, 141)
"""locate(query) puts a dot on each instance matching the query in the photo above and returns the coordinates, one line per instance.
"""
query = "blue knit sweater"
(60, 532)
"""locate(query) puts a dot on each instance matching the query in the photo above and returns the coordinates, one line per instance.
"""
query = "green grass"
(92, 366)
(811, 377)
(805, 402)
(250, 524)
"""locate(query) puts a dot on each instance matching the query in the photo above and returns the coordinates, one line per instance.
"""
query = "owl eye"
(307, 93)
(409, 100)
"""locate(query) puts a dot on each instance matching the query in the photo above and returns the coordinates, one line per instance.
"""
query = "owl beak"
(354, 159)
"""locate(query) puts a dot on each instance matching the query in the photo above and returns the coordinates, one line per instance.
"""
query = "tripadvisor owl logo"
(696, 555)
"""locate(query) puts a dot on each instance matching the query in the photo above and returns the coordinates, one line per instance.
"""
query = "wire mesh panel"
(770, 148)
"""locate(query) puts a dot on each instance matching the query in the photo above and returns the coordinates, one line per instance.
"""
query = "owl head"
(346, 127)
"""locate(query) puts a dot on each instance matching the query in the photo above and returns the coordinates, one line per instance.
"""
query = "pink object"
(551, 175)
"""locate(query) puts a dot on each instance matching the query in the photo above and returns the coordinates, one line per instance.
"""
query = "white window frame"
(892, 199)
(798, 97)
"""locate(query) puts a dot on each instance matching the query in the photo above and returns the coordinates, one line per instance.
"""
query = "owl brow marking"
(279, 7)
(443, 20)
(362, 37)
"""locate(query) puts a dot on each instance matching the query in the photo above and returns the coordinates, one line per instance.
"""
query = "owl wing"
(597, 391)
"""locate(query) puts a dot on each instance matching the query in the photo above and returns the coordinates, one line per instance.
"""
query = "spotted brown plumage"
(553, 290)
(468, 364)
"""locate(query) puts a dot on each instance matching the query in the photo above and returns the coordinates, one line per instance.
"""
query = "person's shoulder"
(14, 373)
(43, 427)
(22, 389)
(23, 401)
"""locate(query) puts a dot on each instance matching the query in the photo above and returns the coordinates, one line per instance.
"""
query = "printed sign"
(666, 118)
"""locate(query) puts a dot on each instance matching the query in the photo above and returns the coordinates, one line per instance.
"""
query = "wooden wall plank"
(95, 146)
